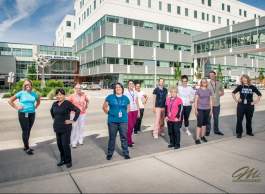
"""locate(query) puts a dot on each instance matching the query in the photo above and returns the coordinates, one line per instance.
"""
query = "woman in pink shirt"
(80, 100)
(173, 112)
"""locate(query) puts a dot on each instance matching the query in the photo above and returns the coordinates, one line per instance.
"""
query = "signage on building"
(10, 78)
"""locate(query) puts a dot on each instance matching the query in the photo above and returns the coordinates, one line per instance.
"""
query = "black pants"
(216, 113)
(26, 121)
(63, 143)
(113, 130)
(174, 133)
(185, 115)
(203, 117)
(139, 121)
(244, 110)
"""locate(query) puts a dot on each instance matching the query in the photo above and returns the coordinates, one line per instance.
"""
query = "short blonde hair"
(173, 89)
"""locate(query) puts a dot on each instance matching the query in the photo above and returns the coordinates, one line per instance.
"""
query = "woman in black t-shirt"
(245, 104)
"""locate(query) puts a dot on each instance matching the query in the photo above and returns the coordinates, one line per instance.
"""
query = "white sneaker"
(81, 143)
(155, 136)
(74, 146)
(188, 132)
(162, 134)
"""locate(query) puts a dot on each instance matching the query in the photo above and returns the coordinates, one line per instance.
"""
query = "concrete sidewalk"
(206, 168)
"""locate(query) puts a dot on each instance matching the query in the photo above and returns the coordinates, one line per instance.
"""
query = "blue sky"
(35, 21)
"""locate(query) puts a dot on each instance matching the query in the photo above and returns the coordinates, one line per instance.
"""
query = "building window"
(138, 2)
(195, 14)
(210, 3)
(203, 16)
(160, 5)
(149, 4)
(186, 12)
(207, 17)
(127, 1)
(245, 13)
(95, 4)
(234, 22)
(228, 22)
(228, 8)
(169, 7)
(223, 6)
(68, 23)
(203, 1)
(219, 20)
(255, 15)
(68, 35)
(240, 11)
(178, 10)
(213, 18)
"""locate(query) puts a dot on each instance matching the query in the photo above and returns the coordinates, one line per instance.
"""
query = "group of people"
(125, 110)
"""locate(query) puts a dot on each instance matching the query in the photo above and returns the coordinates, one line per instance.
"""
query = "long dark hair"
(114, 88)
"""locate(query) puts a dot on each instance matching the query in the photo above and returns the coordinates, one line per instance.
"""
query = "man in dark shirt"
(160, 95)
(245, 104)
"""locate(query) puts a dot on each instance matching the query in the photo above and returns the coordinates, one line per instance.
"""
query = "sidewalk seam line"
(168, 164)
(77, 186)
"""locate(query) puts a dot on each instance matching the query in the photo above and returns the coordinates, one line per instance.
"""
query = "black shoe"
(69, 165)
(29, 152)
(218, 133)
(127, 157)
(239, 135)
(204, 139)
(135, 132)
(250, 134)
(197, 141)
(25, 149)
(130, 145)
(61, 163)
(176, 147)
(109, 157)
(170, 146)
(207, 133)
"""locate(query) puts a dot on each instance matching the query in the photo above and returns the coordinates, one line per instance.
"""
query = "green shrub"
(7, 95)
(54, 84)
(51, 94)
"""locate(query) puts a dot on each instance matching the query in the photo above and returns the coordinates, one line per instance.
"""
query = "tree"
(261, 74)
(177, 72)
(198, 73)
(32, 72)
(220, 76)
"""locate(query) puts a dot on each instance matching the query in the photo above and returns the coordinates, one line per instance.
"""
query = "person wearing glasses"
(28, 102)
(80, 100)
(116, 106)
(245, 104)
(203, 109)
(186, 93)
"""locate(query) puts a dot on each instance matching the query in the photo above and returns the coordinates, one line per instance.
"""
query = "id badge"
(245, 101)
(120, 114)
(26, 115)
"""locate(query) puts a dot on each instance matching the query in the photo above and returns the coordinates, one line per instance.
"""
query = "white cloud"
(24, 8)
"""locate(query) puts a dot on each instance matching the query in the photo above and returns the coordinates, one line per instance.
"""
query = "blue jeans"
(113, 130)
(216, 113)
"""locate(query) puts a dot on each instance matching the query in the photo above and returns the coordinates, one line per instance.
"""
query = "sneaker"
(197, 141)
(74, 146)
(61, 163)
(155, 136)
(108, 157)
(130, 145)
(218, 133)
(162, 134)
(29, 152)
(170, 146)
(239, 135)
(176, 147)
(127, 157)
(81, 143)
(204, 139)
(250, 134)
(69, 165)
(188, 132)
(207, 133)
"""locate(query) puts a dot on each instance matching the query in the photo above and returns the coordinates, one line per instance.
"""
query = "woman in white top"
(186, 93)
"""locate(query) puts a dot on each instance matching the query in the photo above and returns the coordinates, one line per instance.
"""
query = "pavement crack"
(77, 186)
(195, 177)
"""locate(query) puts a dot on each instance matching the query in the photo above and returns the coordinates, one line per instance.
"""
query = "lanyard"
(132, 96)
(171, 103)
(214, 88)
(119, 102)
